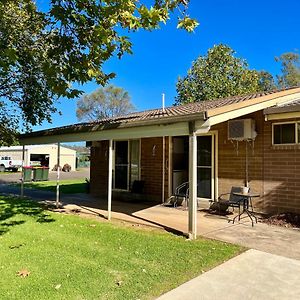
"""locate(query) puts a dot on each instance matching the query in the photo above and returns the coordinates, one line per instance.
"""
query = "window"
(126, 163)
(285, 133)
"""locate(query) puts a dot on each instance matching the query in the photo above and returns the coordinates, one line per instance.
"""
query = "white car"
(7, 163)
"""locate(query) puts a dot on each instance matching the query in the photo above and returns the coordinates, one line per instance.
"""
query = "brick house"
(249, 140)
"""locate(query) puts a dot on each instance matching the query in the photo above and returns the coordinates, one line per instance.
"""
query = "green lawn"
(70, 257)
(72, 186)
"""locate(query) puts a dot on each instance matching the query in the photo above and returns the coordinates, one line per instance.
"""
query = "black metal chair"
(234, 201)
(231, 200)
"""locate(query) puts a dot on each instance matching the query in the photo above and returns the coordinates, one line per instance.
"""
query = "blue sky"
(257, 30)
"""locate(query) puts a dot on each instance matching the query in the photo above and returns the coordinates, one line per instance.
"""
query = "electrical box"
(243, 129)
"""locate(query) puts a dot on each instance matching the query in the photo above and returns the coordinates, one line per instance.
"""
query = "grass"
(8, 172)
(72, 186)
(70, 257)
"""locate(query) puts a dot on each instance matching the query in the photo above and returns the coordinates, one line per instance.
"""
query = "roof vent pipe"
(163, 102)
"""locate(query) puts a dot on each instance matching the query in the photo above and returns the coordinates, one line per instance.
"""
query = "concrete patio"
(272, 239)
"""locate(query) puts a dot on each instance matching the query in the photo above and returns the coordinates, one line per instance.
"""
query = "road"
(10, 177)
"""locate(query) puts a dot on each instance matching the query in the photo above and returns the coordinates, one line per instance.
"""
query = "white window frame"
(140, 156)
(296, 123)
(214, 166)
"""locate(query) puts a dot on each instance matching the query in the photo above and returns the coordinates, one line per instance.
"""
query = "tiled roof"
(180, 110)
(187, 111)
(173, 111)
(292, 106)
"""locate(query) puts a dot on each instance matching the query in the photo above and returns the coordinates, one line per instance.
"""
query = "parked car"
(7, 163)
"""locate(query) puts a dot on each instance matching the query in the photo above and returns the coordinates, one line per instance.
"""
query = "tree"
(219, 74)
(290, 70)
(24, 89)
(266, 81)
(45, 53)
(105, 102)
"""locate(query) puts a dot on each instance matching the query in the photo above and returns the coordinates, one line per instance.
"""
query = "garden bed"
(288, 220)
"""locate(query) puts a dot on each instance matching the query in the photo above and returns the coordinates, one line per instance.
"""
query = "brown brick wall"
(281, 174)
(151, 165)
(274, 171)
(232, 160)
(99, 168)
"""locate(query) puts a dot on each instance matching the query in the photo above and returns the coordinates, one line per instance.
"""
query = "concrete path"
(251, 275)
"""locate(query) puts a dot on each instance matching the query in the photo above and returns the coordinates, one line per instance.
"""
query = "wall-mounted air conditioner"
(243, 129)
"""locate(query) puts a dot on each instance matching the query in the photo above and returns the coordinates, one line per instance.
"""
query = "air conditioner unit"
(243, 129)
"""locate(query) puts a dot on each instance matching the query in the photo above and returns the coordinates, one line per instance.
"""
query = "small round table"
(246, 198)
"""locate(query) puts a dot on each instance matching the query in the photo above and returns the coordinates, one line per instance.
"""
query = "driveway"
(251, 275)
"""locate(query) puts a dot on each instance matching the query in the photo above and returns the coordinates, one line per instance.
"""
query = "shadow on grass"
(65, 188)
(13, 206)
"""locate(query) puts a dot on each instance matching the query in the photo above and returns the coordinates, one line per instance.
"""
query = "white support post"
(169, 166)
(109, 188)
(163, 170)
(192, 230)
(58, 175)
(23, 165)
(246, 166)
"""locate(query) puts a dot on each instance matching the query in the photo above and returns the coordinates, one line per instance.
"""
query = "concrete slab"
(251, 275)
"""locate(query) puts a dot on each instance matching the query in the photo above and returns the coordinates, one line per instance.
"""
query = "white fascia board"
(248, 110)
(180, 128)
(281, 116)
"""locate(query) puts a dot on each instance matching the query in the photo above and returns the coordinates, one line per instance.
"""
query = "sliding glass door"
(121, 165)
(134, 158)
(205, 167)
(127, 163)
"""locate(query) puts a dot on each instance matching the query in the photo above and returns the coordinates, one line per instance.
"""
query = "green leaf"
(188, 24)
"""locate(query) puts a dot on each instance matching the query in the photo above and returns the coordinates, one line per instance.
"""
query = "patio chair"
(181, 191)
(232, 200)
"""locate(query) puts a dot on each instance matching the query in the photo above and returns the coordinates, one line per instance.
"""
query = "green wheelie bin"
(45, 176)
(37, 173)
(27, 172)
